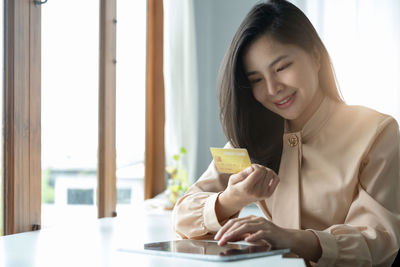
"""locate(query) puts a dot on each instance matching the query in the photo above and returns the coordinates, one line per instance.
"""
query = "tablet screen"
(209, 250)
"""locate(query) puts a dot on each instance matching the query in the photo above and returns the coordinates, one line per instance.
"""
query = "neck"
(298, 124)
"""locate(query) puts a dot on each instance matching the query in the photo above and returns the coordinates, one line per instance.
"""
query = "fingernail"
(248, 169)
(216, 237)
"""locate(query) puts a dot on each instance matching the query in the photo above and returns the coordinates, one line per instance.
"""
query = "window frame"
(22, 112)
(107, 190)
(21, 120)
(154, 173)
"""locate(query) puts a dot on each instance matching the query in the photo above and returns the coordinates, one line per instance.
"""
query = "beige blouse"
(339, 177)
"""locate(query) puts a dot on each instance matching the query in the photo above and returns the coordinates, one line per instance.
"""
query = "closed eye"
(254, 81)
(284, 67)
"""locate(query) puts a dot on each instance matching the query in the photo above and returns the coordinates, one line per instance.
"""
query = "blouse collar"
(317, 120)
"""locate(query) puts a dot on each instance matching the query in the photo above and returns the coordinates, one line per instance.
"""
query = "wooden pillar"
(107, 192)
(22, 119)
(155, 114)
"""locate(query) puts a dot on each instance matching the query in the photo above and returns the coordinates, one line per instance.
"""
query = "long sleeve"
(194, 214)
(370, 233)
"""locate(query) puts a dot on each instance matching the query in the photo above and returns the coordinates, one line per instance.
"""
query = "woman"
(326, 175)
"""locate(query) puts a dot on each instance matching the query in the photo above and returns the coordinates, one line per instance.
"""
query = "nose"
(273, 86)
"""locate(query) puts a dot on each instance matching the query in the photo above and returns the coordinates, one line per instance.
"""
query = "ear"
(316, 56)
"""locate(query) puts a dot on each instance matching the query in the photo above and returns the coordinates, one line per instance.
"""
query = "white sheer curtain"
(363, 39)
(180, 77)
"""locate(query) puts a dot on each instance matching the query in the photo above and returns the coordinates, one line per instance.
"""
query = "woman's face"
(284, 78)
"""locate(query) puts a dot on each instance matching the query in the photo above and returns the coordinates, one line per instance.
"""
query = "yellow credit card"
(230, 160)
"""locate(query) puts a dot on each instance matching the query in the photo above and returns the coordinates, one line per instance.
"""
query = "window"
(70, 71)
(130, 101)
(23, 105)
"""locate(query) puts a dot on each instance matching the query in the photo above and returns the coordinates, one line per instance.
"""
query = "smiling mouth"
(286, 102)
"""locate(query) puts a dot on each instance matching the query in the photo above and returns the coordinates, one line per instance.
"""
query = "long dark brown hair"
(246, 122)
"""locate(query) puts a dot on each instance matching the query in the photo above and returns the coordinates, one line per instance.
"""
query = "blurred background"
(361, 36)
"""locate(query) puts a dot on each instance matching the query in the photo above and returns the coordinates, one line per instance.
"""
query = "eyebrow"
(270, 65)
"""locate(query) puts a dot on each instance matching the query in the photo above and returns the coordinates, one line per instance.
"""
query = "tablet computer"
(207, 250)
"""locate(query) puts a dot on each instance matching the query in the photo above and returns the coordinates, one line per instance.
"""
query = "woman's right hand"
(252, 184)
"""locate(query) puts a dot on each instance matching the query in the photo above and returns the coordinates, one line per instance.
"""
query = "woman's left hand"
(253, 229)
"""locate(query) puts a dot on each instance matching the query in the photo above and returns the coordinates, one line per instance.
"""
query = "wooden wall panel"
(22, 156)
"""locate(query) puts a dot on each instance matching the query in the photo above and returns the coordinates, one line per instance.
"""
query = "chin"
(285, 115)
(289, 117)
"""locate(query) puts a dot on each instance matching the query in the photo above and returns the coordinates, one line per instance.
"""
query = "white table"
(96, 243)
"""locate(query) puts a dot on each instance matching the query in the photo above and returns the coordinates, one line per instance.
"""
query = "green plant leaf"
(176, 157)
(183, 151)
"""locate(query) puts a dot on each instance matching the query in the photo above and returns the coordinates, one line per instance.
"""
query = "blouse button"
(293, 140)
